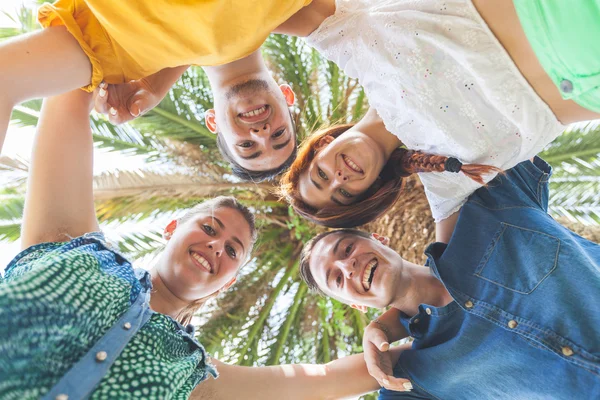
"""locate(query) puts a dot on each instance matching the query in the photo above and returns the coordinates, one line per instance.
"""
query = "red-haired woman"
(476, 80)
(348, 175)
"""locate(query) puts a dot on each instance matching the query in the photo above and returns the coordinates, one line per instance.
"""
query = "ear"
(168, 232)
(228, 284)
(384, 240)
(288, 93)
(324, 142)
(362, 309)
(210, 119)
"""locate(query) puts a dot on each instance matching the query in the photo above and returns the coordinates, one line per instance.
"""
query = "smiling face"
(205, 252)
(342, 170)
(356, 270)
(255, 123)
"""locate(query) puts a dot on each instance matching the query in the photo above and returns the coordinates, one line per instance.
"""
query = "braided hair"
(382, 195)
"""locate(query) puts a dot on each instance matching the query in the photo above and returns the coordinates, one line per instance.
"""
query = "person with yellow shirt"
(92, 42)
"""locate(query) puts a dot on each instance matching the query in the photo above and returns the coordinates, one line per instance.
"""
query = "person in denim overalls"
(506, 309)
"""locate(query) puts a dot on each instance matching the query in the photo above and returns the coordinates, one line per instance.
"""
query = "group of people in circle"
(464, 93)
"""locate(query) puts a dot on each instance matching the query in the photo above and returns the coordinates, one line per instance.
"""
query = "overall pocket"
(519, 259)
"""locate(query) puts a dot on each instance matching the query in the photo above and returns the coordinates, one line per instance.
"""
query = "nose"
(339, 178)
(262, 129)
(216, 246)
(348, 267)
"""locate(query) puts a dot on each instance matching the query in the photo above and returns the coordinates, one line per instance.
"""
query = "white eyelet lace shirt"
(442, 83)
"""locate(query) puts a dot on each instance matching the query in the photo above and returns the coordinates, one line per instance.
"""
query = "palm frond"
(579, 142)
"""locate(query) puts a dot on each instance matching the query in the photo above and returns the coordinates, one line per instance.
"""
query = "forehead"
(233, 221)
(322, 255)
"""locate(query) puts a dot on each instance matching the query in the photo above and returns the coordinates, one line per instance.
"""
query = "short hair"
(305, 272)
(256, 176)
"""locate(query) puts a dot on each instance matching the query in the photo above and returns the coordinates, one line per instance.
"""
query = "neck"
(162, 300)
(420, 286)
(226, 75)
(372, 126)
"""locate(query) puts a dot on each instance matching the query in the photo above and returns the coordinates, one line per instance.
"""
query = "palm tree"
(268, 317)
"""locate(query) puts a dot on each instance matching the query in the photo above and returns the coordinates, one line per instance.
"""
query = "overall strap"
(86, 374)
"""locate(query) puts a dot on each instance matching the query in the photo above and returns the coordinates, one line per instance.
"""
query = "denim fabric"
(525, 322)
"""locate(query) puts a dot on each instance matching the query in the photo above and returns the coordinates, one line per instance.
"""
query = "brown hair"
(381, 195)
(185, 316)
(305, 272)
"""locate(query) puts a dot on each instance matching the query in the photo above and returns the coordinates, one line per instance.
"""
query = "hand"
(126, 101)
(379, 360)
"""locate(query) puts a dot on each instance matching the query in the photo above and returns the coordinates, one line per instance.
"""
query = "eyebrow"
(235, 238)
(336, 201)
(252, 156)
(316, 184)
(282, 145)
(335, 249)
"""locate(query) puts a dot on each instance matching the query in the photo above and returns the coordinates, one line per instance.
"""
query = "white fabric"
(442, 83)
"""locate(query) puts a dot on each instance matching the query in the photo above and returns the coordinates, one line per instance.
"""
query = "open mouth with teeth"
(351, 164)
(201, 261)
(256, 115)
(368, 274)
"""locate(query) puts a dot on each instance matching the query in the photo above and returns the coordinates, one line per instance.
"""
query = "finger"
(141, 103)
(397, 384)
(386, 240)
(119, 116)
(379, 339)
(136, 109)
(101, 101)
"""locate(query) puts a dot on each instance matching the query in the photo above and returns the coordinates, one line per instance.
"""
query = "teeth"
(255, 112)
(367, 274)
(352, 164)
(202, 261)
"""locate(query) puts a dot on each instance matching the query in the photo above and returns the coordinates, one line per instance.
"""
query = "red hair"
(380, 197)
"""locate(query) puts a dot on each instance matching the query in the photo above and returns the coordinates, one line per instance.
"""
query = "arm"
(127, 101)
(342, 378)
(66, 67)
(376, 343)
(59, 201)
(445, 228)
(307, 19)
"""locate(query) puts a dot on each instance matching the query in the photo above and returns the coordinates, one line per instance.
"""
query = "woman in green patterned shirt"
(79, 322)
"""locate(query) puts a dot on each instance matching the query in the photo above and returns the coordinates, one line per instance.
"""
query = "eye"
(321, 174)
(278, 134)
(209, 230)
(231, 251)
(345, 194)
(348, 249)
(338, 280)
(246, 145)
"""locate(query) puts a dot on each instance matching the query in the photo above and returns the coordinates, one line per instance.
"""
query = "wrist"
(377, 324)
